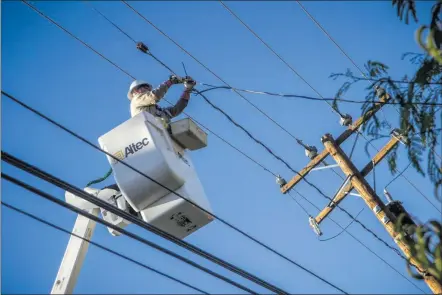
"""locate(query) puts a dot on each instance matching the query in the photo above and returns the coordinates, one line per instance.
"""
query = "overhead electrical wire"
(348, 57)
(171, 191)
(277, 55)
(405, 177)
(76, 38)
(82, 194)
(222, 139)
(100, 246)
(367, 78)
(343, 230)
(311, 97)
(397, 176)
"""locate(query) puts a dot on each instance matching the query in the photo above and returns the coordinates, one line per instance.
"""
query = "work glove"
(175, 79)
(189, 83)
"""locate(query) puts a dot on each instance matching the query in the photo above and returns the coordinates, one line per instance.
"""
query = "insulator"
(380, 91)
(388, 196)
(315, 226)
(280, 181)
(346, 120)
(397, 133)
(311, 152)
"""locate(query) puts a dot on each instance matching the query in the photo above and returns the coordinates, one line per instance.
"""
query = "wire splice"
(142, 47)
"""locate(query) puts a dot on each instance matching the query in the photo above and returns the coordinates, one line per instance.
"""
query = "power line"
(246, 131)
(111, 22)
(315, 98)
(75, 37)
(277, 55)
(47, 177)
(397, 176)
(208, 69)
(328, 35)
(405, 177)
(395, 81)
(344, 229)
(299, 204)
(350, 59)
(100, 246)
(171, 191)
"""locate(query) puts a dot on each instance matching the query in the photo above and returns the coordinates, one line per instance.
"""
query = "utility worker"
(143, 98)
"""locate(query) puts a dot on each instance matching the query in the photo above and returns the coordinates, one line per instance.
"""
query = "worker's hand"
(175, 79)
(189, 83)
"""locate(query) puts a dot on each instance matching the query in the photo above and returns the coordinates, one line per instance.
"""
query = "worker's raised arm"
(161, 90)
(184, 98)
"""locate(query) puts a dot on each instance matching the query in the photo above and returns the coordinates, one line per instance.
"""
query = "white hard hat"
(135, 84)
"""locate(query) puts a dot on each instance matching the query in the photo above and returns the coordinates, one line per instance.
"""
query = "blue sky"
(47, 69)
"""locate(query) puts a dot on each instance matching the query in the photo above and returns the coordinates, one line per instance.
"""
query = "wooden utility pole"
(373, 201)
(349, 187)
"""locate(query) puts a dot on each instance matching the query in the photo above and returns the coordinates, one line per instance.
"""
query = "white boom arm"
(75, 253)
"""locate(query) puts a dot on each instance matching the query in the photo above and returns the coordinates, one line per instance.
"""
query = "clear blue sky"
(52, 72)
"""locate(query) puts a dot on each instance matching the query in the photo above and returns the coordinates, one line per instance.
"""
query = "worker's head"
(138, 86)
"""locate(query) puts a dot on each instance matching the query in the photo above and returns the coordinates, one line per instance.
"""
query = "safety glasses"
(142, 88)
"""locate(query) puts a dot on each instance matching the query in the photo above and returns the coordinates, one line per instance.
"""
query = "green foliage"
(425, 244)
(405, 6)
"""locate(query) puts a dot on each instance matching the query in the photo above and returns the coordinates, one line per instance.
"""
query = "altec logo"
(131, 149)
